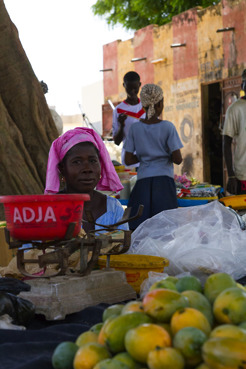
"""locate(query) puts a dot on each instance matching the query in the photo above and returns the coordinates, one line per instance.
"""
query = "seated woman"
(81, 159)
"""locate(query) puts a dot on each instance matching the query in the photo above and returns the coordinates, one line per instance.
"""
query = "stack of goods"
(191, 192)
(128, 179)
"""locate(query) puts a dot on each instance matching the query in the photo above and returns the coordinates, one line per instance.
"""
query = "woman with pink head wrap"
(81, 159)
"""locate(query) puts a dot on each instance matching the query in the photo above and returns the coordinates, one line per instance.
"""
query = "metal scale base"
(58, 296)
(61, 294)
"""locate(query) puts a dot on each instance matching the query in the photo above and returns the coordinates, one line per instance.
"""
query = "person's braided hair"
(150, 95)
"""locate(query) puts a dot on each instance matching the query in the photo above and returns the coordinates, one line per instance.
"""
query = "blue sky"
(64, 42)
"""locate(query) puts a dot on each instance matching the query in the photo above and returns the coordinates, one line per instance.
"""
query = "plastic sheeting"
(201, 240)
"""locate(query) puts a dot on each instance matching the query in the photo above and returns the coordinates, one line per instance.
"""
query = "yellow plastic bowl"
(119, 168)
(237, 202)
(136, 267)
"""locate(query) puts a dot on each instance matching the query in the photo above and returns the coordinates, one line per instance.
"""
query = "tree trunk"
(26, 125)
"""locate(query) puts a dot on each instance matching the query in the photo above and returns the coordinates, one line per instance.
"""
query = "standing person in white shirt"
(235, 128)
(128, 111)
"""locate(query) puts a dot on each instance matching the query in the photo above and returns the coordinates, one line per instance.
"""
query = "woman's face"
(81, 168)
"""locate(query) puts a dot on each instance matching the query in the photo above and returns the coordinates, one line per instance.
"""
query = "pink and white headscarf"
(109, 178)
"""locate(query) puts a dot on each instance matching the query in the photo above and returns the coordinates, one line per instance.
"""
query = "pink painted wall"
(143, 47)
(110, 61)
(234, 41)
(185, 59)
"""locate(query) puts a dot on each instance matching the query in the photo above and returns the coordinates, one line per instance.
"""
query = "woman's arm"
(130, 158)
(176, 157)
(118, 137)
(227, 142)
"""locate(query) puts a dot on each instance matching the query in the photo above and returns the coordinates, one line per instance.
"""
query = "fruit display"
(179, 324)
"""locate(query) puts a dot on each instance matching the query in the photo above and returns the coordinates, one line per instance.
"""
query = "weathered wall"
(210, 64)
(110, 65)
(184, 108)
(125, 54)
(233, 15)
(208, 56)
(142, 38)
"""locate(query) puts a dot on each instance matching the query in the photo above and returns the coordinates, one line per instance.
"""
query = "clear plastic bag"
(201, 240)
(155, 277)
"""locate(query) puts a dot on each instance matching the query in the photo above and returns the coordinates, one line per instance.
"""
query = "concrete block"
(59, 296)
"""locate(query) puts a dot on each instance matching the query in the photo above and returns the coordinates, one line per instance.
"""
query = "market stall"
(56, 261)
(178, 323)
(198, 265)
(190, 192)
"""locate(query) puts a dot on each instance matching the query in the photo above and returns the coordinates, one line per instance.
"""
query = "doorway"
(212, 133)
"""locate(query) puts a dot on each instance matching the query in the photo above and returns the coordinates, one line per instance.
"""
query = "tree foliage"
(136, 14)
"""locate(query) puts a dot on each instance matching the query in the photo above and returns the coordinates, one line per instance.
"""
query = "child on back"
(128, 111)
(157, 145)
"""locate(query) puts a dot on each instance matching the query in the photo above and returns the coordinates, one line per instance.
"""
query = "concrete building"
(72, 121)
(91, 112)
(92, 100)
(197, 59)
(91, 116)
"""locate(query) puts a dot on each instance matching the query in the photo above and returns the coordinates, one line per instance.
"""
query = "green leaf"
(136, 14)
